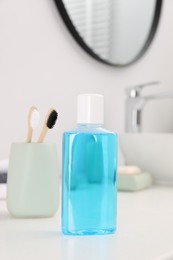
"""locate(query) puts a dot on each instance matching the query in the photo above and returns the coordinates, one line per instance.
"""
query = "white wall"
(41, 64)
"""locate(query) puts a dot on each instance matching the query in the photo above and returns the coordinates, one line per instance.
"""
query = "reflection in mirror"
(114, 31)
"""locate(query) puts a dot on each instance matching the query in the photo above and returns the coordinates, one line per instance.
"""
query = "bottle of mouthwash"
(89, 185)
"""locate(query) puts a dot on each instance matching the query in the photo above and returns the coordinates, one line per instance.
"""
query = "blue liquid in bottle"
(89, 181)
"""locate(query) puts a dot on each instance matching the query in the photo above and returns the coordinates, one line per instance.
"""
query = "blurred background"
(41, 64)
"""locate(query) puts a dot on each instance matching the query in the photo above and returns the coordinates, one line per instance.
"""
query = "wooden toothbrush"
(33, 119)
(49, 123)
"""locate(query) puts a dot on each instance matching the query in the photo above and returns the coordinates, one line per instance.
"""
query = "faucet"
(135, 102)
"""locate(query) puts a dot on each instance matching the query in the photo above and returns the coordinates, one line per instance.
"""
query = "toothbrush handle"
(43, 134)
(29, 135)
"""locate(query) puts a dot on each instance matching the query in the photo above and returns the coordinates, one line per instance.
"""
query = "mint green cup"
(33, 183)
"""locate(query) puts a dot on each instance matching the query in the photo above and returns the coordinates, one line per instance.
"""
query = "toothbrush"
(33, 119)
(49, 123)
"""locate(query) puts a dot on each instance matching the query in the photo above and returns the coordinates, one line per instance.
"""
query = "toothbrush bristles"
(52, 119)
(35, 116)
(33, 119)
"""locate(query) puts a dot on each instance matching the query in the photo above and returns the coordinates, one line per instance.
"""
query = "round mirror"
(116, 32)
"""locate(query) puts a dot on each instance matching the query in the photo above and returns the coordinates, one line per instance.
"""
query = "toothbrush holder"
(33, 183)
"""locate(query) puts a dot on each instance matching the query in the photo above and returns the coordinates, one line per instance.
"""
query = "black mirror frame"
(62, 10)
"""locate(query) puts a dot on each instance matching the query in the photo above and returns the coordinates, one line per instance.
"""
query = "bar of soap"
(130, 169)
(134, 182)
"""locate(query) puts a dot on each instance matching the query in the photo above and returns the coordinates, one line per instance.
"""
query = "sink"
(151, 152)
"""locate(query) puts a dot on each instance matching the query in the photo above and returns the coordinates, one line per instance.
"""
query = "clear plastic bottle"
(89, 172)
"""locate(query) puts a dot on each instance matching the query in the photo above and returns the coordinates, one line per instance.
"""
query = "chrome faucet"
(135, 102)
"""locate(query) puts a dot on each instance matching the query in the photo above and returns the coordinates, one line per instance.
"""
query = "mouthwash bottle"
(89, 185)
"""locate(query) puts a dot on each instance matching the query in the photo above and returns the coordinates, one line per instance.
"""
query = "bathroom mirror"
(115, 32)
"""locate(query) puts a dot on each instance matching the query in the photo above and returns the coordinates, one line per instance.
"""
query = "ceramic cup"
(32, 184)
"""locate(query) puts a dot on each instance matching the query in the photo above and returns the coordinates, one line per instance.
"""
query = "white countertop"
(145, 232)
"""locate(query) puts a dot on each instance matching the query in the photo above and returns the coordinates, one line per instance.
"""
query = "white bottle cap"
(90, 109)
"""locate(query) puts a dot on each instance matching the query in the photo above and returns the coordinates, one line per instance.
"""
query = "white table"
(145, 232)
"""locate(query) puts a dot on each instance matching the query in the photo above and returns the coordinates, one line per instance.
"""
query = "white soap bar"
(130, 169)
